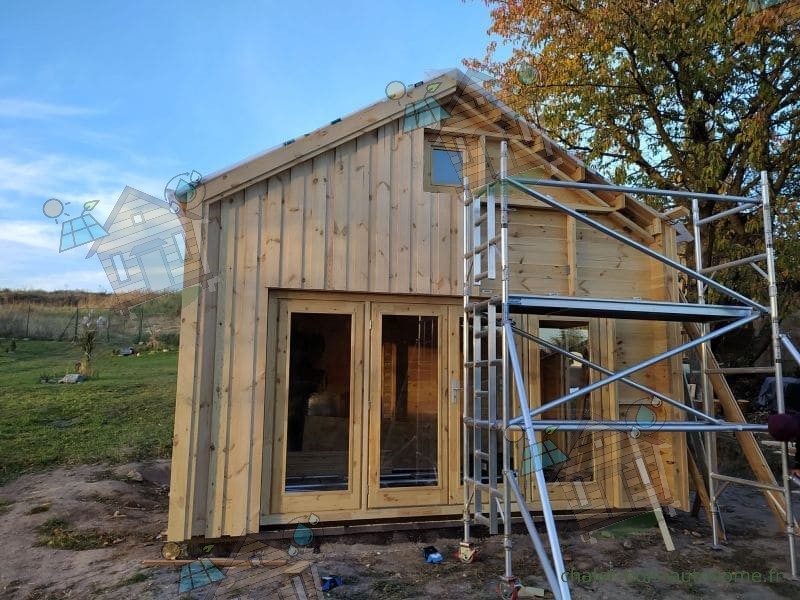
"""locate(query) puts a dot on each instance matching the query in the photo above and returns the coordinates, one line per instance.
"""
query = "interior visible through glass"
(318, 431)
(409, 401)
(566, 455)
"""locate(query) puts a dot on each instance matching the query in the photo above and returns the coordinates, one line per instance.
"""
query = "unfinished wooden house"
(320, 369)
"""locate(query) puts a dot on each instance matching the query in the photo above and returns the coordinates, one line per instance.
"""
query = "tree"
(681, 94)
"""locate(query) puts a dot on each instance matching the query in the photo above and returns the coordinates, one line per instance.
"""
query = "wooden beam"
(700, 488)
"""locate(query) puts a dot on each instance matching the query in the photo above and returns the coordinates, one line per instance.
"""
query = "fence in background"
(64, 323)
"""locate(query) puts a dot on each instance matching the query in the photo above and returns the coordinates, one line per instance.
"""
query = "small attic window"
(137, 218)
(447, 167)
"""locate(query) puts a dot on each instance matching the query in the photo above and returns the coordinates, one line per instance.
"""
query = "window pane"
(446, 167)
(318, 430)
(566, 455)
(409, 401)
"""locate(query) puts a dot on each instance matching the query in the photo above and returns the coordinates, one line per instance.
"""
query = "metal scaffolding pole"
(776, 355)
(627, 380)
(465, 382)
(506, 392)
(637, 367)
(705, 382)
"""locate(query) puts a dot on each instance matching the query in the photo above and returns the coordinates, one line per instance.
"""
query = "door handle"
(454, 389)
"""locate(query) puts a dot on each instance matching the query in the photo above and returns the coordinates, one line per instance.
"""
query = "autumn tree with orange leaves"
(683, 94)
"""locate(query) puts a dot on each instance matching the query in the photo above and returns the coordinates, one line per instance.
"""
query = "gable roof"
(459, 95)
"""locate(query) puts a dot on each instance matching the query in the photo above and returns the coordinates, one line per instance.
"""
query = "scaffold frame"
(486, 502)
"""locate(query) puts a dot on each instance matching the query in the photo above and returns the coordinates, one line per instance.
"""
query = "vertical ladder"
(481, 371)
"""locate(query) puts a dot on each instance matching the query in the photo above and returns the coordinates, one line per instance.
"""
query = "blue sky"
(95, 96)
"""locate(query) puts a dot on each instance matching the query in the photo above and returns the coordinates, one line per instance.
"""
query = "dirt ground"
(119, 519)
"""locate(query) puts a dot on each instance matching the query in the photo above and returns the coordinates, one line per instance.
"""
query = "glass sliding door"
(408, 396)
(318, 400)
(318, 428)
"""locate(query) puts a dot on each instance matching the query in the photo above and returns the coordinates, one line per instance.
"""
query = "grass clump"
(56, 533)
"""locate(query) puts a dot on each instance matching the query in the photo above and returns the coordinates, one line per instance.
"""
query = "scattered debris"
(331, 581)
(432, 555)
(39, 509)
(72, 378)
(530, 592)
(134, 475)
(217, 562)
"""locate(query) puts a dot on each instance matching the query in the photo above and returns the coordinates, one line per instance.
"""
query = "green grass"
(125, 413)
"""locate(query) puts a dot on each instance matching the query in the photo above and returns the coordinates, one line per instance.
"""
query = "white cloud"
(72, 180)
(20, 108)
(32, 234)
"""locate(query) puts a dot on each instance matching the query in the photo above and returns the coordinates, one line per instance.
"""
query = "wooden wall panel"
(189, 475)
(314, 222)
(358, 217)
(380, 216)
(338, 221)
(400, 251)
(223, 361)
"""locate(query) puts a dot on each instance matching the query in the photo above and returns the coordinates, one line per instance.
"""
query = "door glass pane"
(409, 401)
(566, 455)
(318, 429)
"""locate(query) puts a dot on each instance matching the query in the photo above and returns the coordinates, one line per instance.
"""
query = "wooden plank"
(400, 258)
(199, 468)
(272, 231)
(700, 488)
(380, 220)
(260, 324)
(281, 359)
(420, 280)
(572, 256)
(246, 292)
(292, 246)
(180, 523)
(338, 219)
(752, 451)
(314, 218)
(359, 210)
(223, 361)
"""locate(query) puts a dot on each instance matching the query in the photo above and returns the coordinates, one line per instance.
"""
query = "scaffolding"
(488, 370)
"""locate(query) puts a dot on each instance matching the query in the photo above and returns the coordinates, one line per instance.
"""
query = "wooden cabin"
(320, 368)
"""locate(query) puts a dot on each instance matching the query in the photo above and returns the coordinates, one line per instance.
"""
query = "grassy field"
(124, 413)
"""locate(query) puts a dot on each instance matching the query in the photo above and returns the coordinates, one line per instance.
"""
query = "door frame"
(379, 497)
(282, 501)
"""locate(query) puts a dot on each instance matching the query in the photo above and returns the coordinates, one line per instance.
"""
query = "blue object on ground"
(432, 555)
(331, 581)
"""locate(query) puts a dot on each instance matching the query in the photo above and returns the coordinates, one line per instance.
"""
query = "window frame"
(428, 184)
